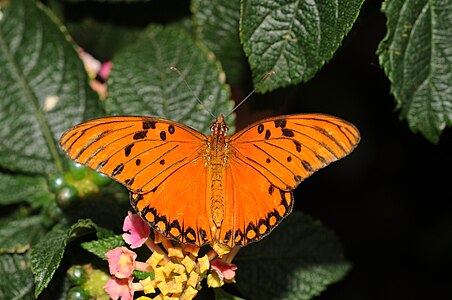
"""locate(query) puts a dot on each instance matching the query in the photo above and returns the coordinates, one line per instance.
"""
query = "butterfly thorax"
(216, 160)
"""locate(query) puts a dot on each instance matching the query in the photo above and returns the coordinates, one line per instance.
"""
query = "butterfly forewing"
(139, 152)
(288, 149)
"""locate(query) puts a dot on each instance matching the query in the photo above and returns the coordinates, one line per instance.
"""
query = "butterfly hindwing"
(139, 152)
(253, 205)
(288, 149)
(177, 208)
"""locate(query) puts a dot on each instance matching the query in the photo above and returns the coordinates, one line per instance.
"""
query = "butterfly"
(200, 189)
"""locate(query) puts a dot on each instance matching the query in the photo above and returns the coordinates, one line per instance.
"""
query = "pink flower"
(119, 288)
(139, 230)
(223, 269)
(105, 69)
(121, 262)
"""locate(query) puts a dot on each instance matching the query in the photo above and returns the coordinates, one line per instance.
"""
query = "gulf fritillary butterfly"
(200, 189)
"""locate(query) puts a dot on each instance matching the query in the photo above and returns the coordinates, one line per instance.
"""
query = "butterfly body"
(200, 189)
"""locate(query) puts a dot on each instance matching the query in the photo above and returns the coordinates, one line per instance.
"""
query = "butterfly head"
(219, 127)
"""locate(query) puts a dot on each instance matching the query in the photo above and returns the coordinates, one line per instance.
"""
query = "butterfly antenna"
(252, 92)
(174, 69)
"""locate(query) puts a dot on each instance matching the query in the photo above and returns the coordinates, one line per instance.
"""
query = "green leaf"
(16, 277)
(141, 275)
(141, 82)
(43, 88)
(47, 254)
(18, 236)
(102, 246)
(297, 261)
(417, 58)
(17, 188)
(217, 25)
(293, 37)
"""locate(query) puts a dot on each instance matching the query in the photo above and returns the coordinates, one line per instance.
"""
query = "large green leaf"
(416, 55)
(141, 82)
(293, 37)
(47, 254)
(217, 25)
(43, 87)
(296, 261)
(18, 236)
(17, 188)
(16, 277)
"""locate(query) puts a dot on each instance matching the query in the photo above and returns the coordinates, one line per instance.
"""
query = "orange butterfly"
(200, 189)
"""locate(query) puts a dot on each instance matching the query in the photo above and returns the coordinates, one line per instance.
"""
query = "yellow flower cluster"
(177, 274)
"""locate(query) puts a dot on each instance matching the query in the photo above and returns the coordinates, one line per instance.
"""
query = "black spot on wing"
(297, 179)
(307, 166)
(267, 134)
(163, 135)
(280, 123)
(128, 149)
(119, 168)
(101, 164)
(260, 128)
(140, 135)
(271, 189)
(171, 129)
(190, 235)
(297, 145)
(203, 234)
(148, 124)
(287, 132)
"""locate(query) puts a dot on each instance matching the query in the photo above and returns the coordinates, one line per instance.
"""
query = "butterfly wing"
(139, 152)
(253, 206)
(288, 149)
(177, 208)
(270, 158)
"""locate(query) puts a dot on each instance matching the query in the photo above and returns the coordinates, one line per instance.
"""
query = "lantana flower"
(138, 230)
(98, 72)
(120, 288)
(177, 269)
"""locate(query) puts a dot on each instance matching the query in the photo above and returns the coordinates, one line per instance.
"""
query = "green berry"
(77, 275)
(77, 293)
(67, 196)
(57, 182)
(77, 171)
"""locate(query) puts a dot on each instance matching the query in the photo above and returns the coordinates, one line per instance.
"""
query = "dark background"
(389, 200)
